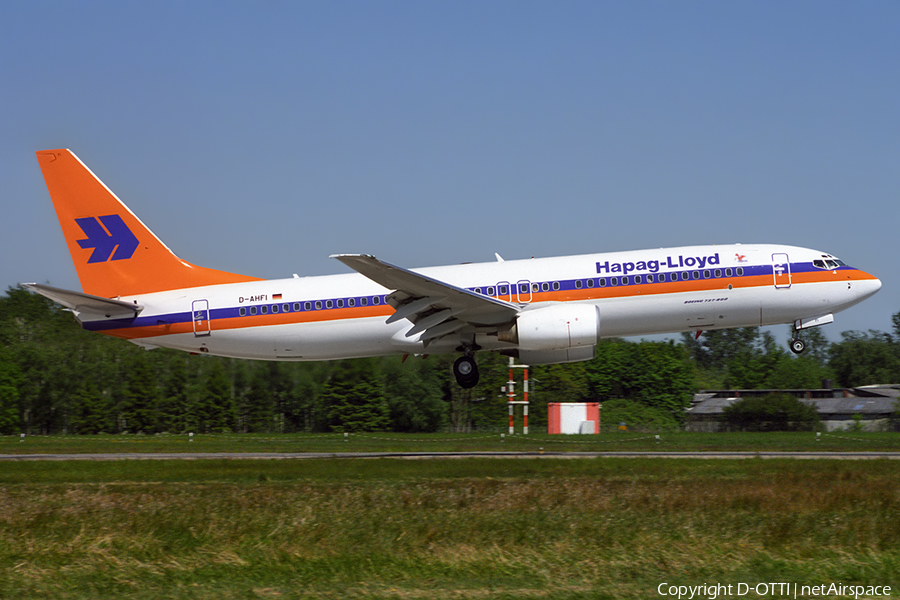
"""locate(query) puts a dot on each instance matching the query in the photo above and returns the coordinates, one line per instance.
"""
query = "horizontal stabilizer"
(86, 304)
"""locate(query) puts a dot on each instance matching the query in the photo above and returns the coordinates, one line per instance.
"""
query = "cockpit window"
(828, 263)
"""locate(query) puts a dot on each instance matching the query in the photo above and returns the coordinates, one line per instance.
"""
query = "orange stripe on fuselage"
(697, 285)
(312, 316)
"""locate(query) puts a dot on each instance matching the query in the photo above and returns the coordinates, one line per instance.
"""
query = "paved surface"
(443, 455)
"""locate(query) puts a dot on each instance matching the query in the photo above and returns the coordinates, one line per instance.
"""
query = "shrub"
(774, 412)
(637, 415)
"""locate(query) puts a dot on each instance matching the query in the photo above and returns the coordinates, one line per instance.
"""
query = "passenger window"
(252, 310)
(351, 302)
(318, 305)
(614, 281)
(545, 286)
(535, 287)
(590, 283)
(329, 304)
(718, 272)
(490, 291)
(286, 308)
(639, 279)
(274, 309)
(363, 301)
(649, 278)
(729, 272)
(307, 306)
(555, 286)
(263, 310)
(578, 284)
(602, 281)
(376, 300)
(740, 271)
(695, 274)
(707, 274)
(243, 311)
(340, 303)
(504, 290)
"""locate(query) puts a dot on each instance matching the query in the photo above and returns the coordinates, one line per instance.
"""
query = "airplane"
(538, 310)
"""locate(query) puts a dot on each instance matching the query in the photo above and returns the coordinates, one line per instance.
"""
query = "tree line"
(57, 378)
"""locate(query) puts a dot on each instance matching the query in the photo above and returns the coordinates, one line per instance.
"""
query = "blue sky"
(261, 137)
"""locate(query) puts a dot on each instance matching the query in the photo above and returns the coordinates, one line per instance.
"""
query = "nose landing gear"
(797, 345)
(465, 369)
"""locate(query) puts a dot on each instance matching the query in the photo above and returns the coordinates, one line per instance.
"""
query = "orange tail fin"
(113, 251)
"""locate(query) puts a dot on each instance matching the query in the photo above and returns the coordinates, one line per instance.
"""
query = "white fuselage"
(641, 292)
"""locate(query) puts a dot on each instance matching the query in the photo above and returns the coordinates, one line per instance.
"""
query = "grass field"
(390, 442)
(472, 528)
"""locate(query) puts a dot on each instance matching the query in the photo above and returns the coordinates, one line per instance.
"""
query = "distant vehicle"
(539, 310)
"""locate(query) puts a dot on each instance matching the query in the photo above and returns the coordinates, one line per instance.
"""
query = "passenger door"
(200, 317)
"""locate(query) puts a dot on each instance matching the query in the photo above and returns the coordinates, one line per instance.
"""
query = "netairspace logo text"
(711, 591)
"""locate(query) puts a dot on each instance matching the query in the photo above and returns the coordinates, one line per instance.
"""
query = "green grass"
(471, 528)
(392, 442)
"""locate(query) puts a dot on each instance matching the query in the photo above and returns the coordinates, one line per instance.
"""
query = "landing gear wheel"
(466, 372)
(798, 346)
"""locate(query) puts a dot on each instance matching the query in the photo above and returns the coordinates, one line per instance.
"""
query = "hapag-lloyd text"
(653, 266)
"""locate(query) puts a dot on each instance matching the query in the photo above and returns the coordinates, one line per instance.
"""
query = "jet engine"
(554, 334)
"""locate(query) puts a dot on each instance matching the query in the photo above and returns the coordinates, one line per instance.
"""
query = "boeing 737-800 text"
(540, 310)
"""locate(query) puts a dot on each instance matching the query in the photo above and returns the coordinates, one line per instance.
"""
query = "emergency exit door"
(781, 270)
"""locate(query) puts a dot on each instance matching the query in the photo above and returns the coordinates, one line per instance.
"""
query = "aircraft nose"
(876, 285)
(867, 287)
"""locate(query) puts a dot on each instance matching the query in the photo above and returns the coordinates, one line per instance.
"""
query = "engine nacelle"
(553, 357)
(555, 327)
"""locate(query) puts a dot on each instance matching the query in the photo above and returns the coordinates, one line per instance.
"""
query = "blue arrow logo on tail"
(116, 236)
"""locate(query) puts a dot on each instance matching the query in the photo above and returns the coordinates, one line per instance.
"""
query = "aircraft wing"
(434, 307)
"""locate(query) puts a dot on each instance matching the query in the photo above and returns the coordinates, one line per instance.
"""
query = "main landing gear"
(465, 369)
